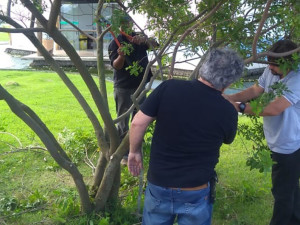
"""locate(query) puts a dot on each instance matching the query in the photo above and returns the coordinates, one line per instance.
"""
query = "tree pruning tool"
(129, 37)
(103, 20)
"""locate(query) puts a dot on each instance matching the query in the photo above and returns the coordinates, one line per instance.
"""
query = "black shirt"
(192, 122)
(122, 77)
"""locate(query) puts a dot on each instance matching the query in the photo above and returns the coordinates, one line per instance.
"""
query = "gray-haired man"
(192, 121)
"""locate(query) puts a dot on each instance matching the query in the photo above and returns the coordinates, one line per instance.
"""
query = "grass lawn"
(4, 36)
(243, 196)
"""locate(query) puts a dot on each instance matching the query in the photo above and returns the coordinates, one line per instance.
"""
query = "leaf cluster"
(135, 69)
(259, 158)
(12, 204)
(260, 154)
(234, 24)
(287, 65)
(276, 90)
(66, 203)
(127, 48)
(76, 143)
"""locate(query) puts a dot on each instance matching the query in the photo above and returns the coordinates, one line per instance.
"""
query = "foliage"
(260, 155)
(127, 48)
(77, 143)
(286, 65)
(259, 158)
(135, 69)
(14, 205)
(120, 18)
(66, 203)
(233, 25)
(276, 90)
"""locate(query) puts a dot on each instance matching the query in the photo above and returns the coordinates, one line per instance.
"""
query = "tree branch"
(259, 29)
(15, 137)
(273, 54)
(187, 32)
(24, 149)
(55, 11)
(34, 122)
(62, 41)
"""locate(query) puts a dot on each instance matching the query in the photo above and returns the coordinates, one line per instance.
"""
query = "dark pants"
(286, 192)
(123, 103)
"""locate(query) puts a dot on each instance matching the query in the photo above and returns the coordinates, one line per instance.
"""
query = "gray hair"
(221, 68)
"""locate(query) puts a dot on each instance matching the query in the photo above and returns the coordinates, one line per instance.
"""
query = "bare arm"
(274, 108)
(136, 134)
(118, 63)
(246, 95)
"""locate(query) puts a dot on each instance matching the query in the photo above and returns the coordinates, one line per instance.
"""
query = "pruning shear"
(129, 37)
(103, 20)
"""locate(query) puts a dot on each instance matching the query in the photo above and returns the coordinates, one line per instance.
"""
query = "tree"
(196, 26)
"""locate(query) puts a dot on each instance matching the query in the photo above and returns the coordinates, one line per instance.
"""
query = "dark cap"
(281, 47)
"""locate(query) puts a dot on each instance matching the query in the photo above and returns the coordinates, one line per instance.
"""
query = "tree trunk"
(99, 172)
(34, 122)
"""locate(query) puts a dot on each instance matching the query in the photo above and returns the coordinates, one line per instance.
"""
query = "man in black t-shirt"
(126, 84)
(193, 120)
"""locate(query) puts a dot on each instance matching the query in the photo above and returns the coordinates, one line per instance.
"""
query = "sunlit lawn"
(243, 196)
(4, 37)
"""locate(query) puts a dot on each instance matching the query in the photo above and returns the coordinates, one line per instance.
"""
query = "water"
(228, 91)
(8, 61)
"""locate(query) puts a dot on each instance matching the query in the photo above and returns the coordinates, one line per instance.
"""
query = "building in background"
(79, 12)
(82, 14)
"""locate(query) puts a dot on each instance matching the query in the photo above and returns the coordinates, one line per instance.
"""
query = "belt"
(193, 188)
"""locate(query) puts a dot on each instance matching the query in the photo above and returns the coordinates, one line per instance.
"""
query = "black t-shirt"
(122, 77)
(192, 122)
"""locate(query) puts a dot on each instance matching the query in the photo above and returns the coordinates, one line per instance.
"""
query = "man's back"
(192, 122)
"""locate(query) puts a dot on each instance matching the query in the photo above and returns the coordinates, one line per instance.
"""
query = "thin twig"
(23, 212)
(89, 162)
(24, 149)
(15, 137)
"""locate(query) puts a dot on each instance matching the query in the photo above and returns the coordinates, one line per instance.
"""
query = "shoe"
(124, 161)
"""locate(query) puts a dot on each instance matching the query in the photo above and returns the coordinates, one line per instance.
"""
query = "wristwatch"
(242, 107)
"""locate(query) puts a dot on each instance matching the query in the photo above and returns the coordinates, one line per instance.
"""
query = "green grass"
(243, 196)
(47, 95)
(4, 36)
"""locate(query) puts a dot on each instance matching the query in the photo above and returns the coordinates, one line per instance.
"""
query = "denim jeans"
(163, 205)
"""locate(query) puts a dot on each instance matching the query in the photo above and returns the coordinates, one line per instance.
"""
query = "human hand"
(135, 163)
(120, 52)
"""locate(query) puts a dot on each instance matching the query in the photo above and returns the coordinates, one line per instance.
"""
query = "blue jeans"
(162, 205)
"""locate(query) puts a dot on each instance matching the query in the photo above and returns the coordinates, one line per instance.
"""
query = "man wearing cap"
(126, 84)
(282, 131)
